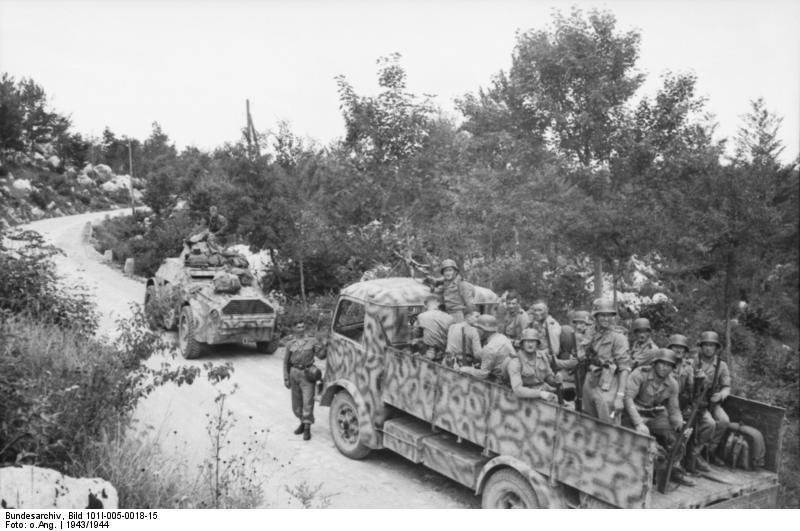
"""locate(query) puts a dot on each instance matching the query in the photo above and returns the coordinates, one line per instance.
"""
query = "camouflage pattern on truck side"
(610, 463)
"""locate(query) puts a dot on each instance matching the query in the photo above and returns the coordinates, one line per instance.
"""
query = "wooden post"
(252, 137)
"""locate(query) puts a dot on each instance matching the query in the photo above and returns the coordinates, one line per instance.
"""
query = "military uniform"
(642, 353)
(514, 324)
(463, 343)
(494, 358)
(300, 354)
(529, 375)
(550, 331)
(434, 325)
(714, 420)
(609, 349)
(457, 297)
(684, 375)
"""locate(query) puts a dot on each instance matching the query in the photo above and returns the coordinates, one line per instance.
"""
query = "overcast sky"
(190, 65)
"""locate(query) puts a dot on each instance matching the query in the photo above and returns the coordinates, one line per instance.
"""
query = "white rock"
(84, 179)
(37, 213)
(23, 185)
(103, 172)
(108, 256)
(31, 487)
(119, 182)
(51, 205)
(128, 268)
(54, 162)
(181, 205)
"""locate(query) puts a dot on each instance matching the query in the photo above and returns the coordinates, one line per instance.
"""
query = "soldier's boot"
(679, 476)
(306, 432)
(700, 464)
(300, 429)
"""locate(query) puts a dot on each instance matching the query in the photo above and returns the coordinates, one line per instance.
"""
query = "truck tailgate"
(739, 486)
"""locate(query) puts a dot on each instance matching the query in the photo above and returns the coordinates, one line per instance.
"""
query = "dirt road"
(260, 407)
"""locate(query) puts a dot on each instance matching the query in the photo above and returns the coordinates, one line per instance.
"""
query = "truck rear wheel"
(268, 347)
(508, 489)
(190, 347)
(344, 426)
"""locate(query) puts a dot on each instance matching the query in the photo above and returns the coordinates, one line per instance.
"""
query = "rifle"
(701, 399)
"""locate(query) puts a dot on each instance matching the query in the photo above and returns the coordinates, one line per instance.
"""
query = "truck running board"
(439, 451)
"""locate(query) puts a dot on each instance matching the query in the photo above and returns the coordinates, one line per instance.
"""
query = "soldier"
(530, 373)
(610, 364)
(456, 295)
(713, 420)
(581, 324)
(684, 373)
(515, 319)
(547, 327)
(495, 353)
(300, 375)
(643, 348)
(651, 406)
(463, 341)
(431, 330)
(215, 225)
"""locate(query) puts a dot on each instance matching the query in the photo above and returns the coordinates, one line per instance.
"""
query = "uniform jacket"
(684, 375)
(645, 390)
(551, 334)
(610, 347)
(643, 353)
(494, 358)
(216, 223)
(463, 339)
(527, 376)
(457, 295)
(434, 325)
(513, 325)
(300, 353)
(707, 368)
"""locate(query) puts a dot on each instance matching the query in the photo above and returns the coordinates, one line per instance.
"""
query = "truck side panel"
(763, 417)
(611, 463)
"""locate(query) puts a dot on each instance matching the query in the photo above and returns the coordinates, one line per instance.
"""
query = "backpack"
(225, 282)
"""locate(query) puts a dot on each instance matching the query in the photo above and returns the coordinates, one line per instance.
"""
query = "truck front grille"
(247, 307)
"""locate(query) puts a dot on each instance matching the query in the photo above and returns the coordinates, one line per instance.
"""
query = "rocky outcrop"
(22, 185)
(31, 487)
(103, 173)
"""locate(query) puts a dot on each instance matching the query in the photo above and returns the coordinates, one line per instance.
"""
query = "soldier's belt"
(302, 367)
(650, 411)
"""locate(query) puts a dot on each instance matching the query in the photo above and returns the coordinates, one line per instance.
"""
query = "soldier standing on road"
(496, 351)
(430, 330)
(456, 295)
(515, 319)
(651, 406)
(300, 375)
(463, 341)
(530, 373)
(548, 328)
(643, 348)
(714, 420)
(610, 364)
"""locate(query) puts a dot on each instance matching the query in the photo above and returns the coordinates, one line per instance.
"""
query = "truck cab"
(513, 452)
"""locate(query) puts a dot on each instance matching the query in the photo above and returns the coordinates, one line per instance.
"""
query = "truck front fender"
(368, 434)
(549, 497)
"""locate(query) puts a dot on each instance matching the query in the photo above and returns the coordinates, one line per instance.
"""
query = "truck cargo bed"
(733, 489)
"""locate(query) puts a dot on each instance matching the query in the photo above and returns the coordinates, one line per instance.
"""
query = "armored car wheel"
(344, 426)
(508, 489)
(267, 347)
(189, 346)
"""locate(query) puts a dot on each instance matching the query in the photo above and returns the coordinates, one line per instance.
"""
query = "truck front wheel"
(508, 489)
(344, 426)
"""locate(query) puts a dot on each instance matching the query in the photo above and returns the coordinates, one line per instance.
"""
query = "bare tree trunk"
(598, 277)
(302, 285)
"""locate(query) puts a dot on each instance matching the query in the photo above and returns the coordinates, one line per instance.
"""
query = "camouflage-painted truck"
(514, 452)
(181, 295)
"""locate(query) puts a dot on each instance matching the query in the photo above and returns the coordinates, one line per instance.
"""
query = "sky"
(190, 65)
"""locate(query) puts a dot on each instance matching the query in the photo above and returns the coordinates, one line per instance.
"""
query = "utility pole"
(250, 135)
(130, 170)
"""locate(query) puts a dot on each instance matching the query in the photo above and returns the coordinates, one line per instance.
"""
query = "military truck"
(182, 295)
(513, 452)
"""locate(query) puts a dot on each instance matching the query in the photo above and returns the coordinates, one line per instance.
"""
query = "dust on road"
(260, 406)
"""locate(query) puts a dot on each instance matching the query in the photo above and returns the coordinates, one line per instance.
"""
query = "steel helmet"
(448, 263)
(709, 337)
(581, 316)
(641, 324)
(531, 334)
(603, 306)
(678, 340)
(487, 323)
(313, 374)
(666, 355)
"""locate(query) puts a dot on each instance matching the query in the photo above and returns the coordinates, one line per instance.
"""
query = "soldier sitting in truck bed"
(430, 330)
(495, 353)
(530, 373)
